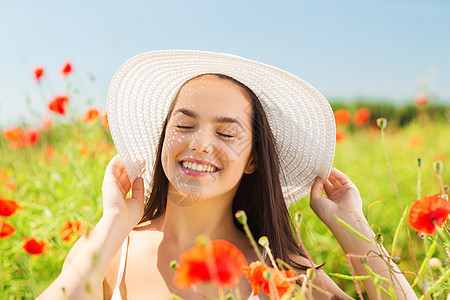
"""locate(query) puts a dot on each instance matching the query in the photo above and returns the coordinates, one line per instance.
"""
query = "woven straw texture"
(300, 118)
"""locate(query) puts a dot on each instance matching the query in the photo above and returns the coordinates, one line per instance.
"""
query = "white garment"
(123, 256)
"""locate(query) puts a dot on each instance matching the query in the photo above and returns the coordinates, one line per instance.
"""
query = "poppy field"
(50, 194)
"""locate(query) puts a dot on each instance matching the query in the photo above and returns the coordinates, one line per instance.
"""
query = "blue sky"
(376, 49)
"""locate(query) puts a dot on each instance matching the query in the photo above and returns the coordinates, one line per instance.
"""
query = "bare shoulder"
(139, 233)
(321, 280)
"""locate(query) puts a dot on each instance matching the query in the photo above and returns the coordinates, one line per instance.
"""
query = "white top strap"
(123, 257)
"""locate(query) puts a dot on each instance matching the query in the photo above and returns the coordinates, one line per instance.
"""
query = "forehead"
(210, 94)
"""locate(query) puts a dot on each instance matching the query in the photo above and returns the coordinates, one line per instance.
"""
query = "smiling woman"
(201, 136)
(209, 111)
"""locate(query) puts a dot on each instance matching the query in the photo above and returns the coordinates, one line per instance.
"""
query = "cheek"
(236, 153)
(171, 147)
(240, 149)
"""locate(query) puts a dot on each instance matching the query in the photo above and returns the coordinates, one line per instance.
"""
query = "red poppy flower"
(104, 120)
(278, 283)
(66, 69)
(30, 137)
(38, 72)
(421, 98)
(342, 117)
(4, 176)
(340, 136)
(58, 104)
(254, 274)
(428, 212)
(91, 115)
(218, 261)
(8, 207)
(6, 229)
(69, 229)
(362, 116)
(13, 133)
(9, 186)
(35, 246)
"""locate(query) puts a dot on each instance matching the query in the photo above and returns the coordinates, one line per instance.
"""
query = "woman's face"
(208, 142)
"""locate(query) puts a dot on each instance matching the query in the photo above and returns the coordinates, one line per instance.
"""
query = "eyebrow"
(193, 114)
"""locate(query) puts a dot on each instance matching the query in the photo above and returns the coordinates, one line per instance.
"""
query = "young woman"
(201, 135)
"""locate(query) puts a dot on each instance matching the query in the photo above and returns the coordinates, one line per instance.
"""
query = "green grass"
(361, 157)
(52, 192)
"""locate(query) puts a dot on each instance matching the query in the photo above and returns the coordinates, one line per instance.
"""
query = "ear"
(252, 164)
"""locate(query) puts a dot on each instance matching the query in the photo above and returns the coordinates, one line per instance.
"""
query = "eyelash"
(221, 134)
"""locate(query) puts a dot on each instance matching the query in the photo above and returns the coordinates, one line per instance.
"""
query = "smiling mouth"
(198, 167)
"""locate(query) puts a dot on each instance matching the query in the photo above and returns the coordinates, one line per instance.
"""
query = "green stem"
(411, 249)
(391, 175)
(419, 173)
(441, 184)
(437, 283)
(220, 293)
(252, 241)
(425, 262)
(309, 257)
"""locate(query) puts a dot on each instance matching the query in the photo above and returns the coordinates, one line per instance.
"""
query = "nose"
(201, 142)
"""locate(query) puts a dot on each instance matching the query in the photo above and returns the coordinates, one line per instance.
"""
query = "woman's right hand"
(116, 186)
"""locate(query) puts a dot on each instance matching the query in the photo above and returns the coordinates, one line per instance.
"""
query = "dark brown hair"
(259, 193)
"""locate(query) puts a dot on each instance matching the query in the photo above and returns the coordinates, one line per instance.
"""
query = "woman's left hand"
(343, 199)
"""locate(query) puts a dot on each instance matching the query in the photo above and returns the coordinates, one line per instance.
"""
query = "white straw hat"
(300, 118)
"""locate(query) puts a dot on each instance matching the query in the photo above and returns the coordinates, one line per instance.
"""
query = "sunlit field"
(55, 174)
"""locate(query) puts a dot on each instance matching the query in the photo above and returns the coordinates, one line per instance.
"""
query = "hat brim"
(300, 118)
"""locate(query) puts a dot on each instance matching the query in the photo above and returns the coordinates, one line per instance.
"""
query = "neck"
(210, 217)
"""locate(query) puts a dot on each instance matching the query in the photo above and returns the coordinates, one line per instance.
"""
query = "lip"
(195, 173)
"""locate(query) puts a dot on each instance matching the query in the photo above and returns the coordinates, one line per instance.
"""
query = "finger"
(317, 188)
(124, 181)
(138, 189)
(341, 177)
(328, 187)
(336, 184)
(114, 165)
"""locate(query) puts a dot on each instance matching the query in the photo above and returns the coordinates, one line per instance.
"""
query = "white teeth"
(198, 167)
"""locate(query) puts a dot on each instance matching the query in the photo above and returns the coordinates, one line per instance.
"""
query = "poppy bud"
(419, 162)
(382, 123)
(241, 217)
(202, 240)
(435, 263)
(396, 259)
(173, 264)
(267, 274)
(298, 217)
(438, 167)
(264, 241)
(379, 239)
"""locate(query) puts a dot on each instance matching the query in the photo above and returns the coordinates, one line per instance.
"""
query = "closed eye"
(225, 135)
